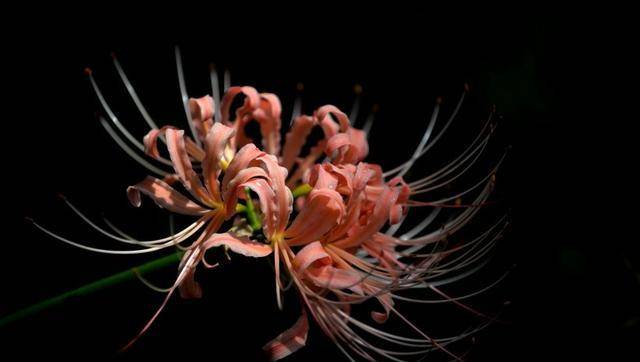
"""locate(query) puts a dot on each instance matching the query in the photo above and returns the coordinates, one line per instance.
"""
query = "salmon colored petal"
(268, 115)
(252, 101)
(311, 253)
(268, 206)
(324, 113)
(239, 245)
(216, 142)
(165, 196)
(290, 340)
(235, 189)
(375, 221)
(323, 211)
(150, 141)
(202, 111)
(334, 278)
(283, 196)
(245, 156)
(182, 165)
(295, 140)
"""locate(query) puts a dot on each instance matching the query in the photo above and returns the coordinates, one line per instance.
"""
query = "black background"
(572, 293)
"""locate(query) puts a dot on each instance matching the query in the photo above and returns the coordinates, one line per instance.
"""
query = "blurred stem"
(252, 216)
(87, 289)
(301, 190)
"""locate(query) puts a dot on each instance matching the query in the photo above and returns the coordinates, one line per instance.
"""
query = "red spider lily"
(338, 246)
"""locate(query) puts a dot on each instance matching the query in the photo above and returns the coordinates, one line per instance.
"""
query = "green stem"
(93, 287)
(301, 190)
(252, 216)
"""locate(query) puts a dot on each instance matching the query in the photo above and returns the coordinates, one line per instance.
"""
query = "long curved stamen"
(297, 103)
(129, 151)
(127, 240)
(368, 123)
(149, 284)
(185, 96)
(435, 139)
(355, 108)
(99, 250)
(421, 226)
(457, 161)
(423, 142)
(425, 185)
(215, 90)
(227, 80)
(132, 92)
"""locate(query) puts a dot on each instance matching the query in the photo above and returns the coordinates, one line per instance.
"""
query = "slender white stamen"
(472, 148)
(435, 140)
(369, 121)
(185, 96)
(149, 284)
(215, 89)
(355, 108)
(129, 151)
(133, 94)
(297, 103)
(227, 80)
(172, 236)
(421, 226)
(112, 115)
(98, 250)
(129, 240)
(476, 153)
(423, 141)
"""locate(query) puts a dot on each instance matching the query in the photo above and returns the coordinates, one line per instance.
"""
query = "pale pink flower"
(339, 246)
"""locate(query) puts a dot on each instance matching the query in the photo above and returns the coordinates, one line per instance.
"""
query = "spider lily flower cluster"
(335, 238)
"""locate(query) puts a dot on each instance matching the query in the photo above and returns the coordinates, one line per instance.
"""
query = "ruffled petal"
(290, 340)
(239, 245)
(202, 111)
(163, 195)
(182, 165)
(323, 210)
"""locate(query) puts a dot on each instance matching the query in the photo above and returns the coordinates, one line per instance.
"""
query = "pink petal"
(311, 253)
(202, 110)
(334, 278)
(189, 288)
(324, 114)
(247, 154)
(216, 142)
(323, 211)
(375, 221)
(182, 165)
(290, 340)
(165, 196)
(284, 199)
(295, 139)
(268, 115)
(239, 245)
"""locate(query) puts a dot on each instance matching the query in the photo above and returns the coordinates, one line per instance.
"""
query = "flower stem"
(87, 289)
(252, 216)
(301, 190)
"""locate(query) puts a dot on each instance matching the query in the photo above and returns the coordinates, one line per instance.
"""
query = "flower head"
(329, 219)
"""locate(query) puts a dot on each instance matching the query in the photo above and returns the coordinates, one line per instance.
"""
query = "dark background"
(574, 291)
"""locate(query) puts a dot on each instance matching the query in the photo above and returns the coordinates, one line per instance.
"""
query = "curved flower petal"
(239, 245)
(295, 140)
(182, 165)
(216, 142)
(311, 253)
(164, 195)
(202, 111)
(323, 210)
(290, 340)
(268, 115)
